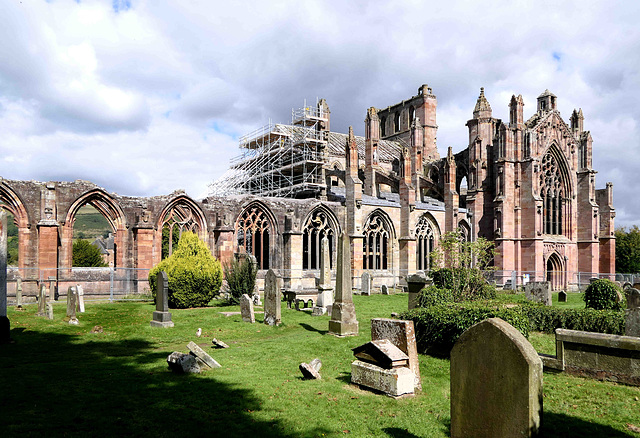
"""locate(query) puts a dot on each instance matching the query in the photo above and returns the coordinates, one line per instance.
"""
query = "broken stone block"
(393, 382)
(311, 370)
(219, 344)
(183, 363)
(202, 355)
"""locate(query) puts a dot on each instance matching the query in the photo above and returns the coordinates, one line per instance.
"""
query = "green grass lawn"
(59, 379)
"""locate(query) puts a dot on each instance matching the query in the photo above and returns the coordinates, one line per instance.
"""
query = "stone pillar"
(80, 298)
(5, 324)
(272, 299)
(18, 293)
(42, 300)
(53, 289)
(343, 313)
(162, 317)
(144, 251)
(72, 303)
(325, 291)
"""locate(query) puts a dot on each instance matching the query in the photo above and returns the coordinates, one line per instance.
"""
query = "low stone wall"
(597, 355)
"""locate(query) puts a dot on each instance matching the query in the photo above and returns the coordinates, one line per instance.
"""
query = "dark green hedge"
(548, 319)
(439, 327)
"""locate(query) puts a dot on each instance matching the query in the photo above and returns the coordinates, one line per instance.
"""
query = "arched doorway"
(555, 272)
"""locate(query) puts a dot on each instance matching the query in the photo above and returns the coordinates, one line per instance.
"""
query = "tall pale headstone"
(19, 293)
(365, 284)
(401, 334)
(72, 302)
(496, 383)
(42, 300)
(162, 317)
(53, 295)
(246, 309)
(49, 311)
(325, 290)
(272, 299)
(343, 313)
(80, 298)
(632, 322)
(5, 324)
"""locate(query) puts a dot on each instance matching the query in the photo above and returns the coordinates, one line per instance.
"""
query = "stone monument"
(5, 324)
(272, 299)
(246, 309)
(19, 293)
(325, 291)
(365, 284)
(538, 292)
(53, 293)
(562, 297)
(401, 334)
(633, 297)
(42, 300)
(496, 383)
(162, 317)
(343, 313)
(72, 302)
(80, 291)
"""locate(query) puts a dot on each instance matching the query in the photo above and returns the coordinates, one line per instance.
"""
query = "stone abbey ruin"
(528, 186)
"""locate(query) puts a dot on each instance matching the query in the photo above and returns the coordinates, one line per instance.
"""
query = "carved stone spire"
(482, 109)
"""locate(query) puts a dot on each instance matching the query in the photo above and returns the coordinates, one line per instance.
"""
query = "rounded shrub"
(195, 276)
(433, 295)
(604, 294)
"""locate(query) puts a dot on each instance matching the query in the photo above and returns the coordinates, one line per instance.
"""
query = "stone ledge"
(598, 339)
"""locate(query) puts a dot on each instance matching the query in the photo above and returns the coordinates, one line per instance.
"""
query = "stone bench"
(597, 355)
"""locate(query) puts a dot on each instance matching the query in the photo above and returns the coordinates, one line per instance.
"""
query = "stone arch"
(256, 233)
(106, 205)
(180, 214)
(378, 232)
(320, 222)
(427, 235)
(465, 230)
(12, 202)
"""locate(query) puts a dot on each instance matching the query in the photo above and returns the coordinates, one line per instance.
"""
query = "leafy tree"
(195, 276)
(628, 250)
(175, 237)
(87, 255)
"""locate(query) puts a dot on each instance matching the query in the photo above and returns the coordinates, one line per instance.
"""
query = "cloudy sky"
(143, 97)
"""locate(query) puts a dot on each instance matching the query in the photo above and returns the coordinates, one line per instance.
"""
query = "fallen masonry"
(193, 362)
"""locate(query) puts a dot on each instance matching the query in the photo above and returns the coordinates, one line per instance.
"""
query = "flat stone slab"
(202, 355)
(236, 313)
(395, 382)
(218, 344)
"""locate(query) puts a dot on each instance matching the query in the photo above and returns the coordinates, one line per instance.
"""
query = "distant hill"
(90, 224)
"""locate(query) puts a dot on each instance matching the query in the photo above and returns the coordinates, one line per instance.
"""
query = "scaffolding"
(280, 160)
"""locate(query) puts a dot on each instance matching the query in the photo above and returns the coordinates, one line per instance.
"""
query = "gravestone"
(343, 313)
(19, 293)
(183, 363)
(384, 289)
(365, 284)
(632, 322)
(496, 383)
(246, 309)
(72, 302)
(53, 293)
(538, 292)
(42, 300)
(325, 291)
(49, 311)
(80, 298)
(272, 299)
(5, 324)
(311, 370)
(202, 355)
(415, 283)
(162, 316)
(401, 334)
(562, 297)
(633, 298)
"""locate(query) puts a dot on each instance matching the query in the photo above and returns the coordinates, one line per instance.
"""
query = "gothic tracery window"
(552, 192)
(252, 233)
(425, 237)
(376, 243)
(318, 226)
(179, 218)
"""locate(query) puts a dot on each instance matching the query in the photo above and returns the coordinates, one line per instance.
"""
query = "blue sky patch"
(121, 5)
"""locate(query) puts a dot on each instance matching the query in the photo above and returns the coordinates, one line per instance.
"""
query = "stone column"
(162, 317)
(5, 324)
(343, 313)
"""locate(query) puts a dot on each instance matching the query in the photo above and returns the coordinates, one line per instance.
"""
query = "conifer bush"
(240, 276)
(195, 276)
(604, 294)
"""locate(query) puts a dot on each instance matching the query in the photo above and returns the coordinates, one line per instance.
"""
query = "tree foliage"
(628, 250)
(195, 276)
(87, 255)
(241, 278)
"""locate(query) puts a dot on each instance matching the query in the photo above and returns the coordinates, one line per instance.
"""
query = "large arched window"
(552, 192)
(319, 225)
(178, 219)
(376, 243)
(426, 239)
(253, 229)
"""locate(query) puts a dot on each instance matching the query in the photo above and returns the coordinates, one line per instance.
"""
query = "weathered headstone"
(311, 370)
(162, 316)
(633, 298)
(42, 300)
(49, 311)
(415, 283)
(384, 289)
(256, 299)
(538, 292)
(632, 322)
(202, 355)
(183, 363)
(72, 302)
(562, 297)
(5, 324)
(272, 299)
(325, 291)
(401, 334)
(343, 313)
(53, 293)
(19, 302)
(496, 383)
(365, 284)
(246, 309)
(80, 291)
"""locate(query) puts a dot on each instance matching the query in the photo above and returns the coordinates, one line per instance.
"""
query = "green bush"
(443, 278)
(87, 255)
(195, 276)
(547, 319)
(439, 327)
(465, 284)
(241, 278)
(434, 295)
(603, 294)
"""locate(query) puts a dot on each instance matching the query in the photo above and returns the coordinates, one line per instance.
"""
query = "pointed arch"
(181, 214)
(320, 222)
(256, 230)
(555, 270)
(555, 190)
(376, 246)
(12, 202)
(427, 235)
